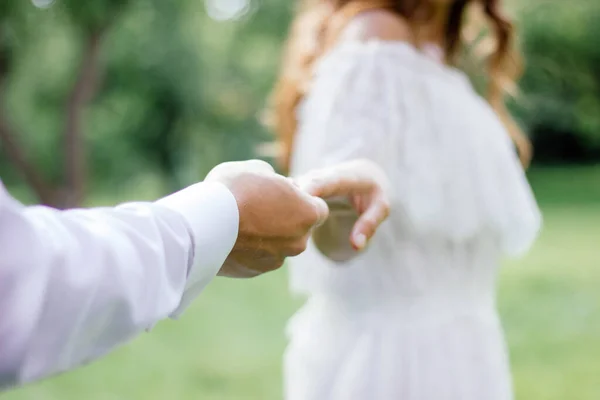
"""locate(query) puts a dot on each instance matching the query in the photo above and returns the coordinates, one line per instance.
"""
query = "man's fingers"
(259, 166)
(369, 221)
(227, 170)
(322, 210)
(319, 205)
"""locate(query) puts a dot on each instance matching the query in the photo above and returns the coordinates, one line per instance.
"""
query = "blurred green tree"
(89, 21)
(122, 88)
(560, 102)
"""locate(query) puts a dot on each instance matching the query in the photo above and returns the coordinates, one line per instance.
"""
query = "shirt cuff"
(211, 213)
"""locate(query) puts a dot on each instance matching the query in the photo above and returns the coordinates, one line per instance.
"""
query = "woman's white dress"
(414, 317)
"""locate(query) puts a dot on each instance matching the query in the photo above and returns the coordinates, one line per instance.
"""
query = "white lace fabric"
(414, 317)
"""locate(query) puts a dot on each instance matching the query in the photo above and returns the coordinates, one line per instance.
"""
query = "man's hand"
(276, 217)
(364, 187)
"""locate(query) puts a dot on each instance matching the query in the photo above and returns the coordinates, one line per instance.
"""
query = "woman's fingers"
(360, 178)
(343, 179)
(368, 222)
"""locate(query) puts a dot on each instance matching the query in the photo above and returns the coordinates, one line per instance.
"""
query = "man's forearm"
(76, 284)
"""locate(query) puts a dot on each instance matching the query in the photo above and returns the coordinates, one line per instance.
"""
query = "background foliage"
(560, 102)
(167, 91)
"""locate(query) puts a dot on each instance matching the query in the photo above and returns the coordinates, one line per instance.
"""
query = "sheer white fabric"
(413, 317)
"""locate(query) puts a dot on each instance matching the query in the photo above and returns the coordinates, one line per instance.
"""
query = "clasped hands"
(278, 215)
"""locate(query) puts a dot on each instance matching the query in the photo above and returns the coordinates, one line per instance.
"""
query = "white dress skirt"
(414, 317)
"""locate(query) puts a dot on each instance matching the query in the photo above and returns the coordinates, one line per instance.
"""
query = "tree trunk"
(13, 149)
(14, 152)
(75, 167)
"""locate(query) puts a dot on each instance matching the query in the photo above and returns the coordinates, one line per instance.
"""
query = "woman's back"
(422, 295)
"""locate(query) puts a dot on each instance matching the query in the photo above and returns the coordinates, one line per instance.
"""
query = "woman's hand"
(363, 186)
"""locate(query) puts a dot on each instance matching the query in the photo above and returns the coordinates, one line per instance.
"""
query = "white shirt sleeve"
(76, 284)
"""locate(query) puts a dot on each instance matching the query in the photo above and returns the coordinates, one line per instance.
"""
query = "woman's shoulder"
(371, 35)
(376, 25)
(385, 39)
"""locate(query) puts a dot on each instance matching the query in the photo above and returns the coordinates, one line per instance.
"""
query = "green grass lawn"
(229, 345)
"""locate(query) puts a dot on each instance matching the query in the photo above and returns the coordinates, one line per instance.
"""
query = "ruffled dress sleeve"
(453, 169)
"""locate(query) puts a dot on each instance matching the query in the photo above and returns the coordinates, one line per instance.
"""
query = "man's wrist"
(211, 214)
